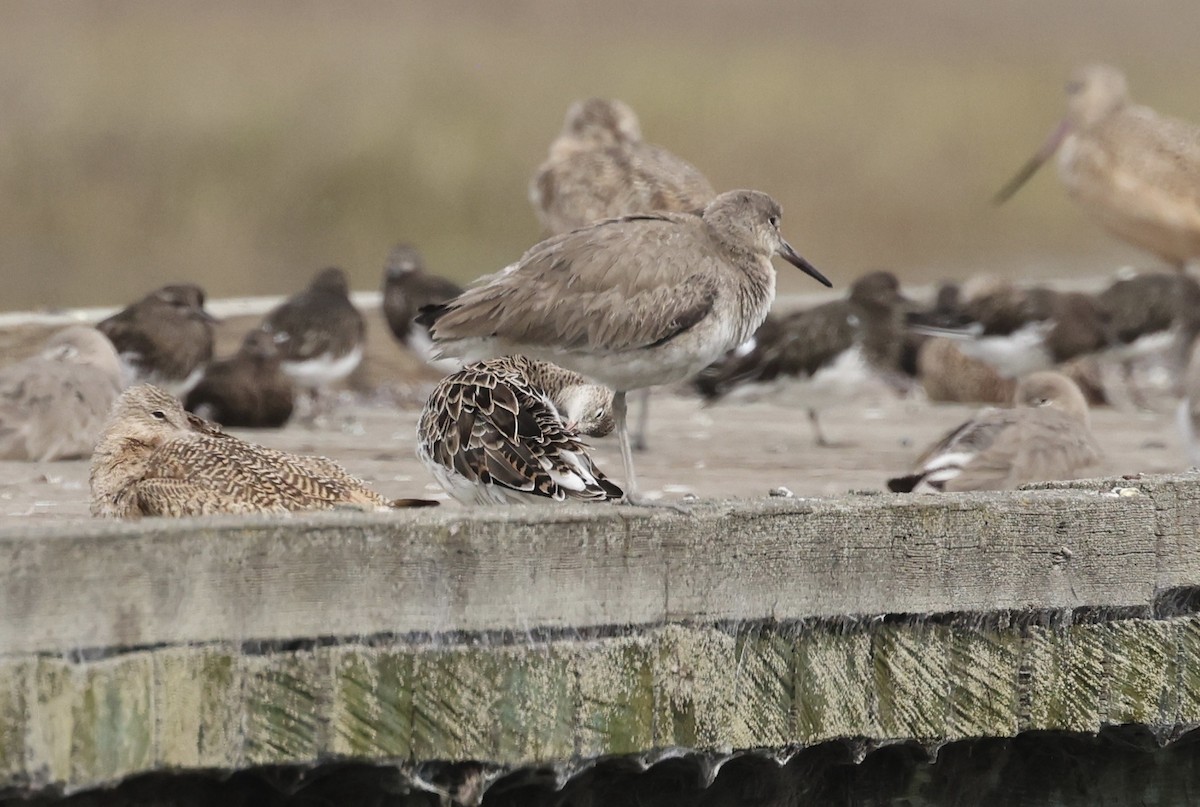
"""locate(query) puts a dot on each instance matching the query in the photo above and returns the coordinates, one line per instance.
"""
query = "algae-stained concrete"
(528, 637)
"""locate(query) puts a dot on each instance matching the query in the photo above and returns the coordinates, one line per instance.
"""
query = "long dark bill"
(1035, 162)
(791, 256)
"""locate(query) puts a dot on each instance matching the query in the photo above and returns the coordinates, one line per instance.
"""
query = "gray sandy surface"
(722, 451)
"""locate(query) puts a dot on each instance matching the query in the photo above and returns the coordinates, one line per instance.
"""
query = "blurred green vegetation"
(245, 146)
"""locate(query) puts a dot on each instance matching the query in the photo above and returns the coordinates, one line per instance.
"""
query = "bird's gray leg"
(818, 435)
(643, 419)
(620, 412)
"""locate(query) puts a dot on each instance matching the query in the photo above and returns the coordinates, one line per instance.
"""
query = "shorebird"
(1024, 330)
(599, 167)
(154, 459)
(165, 338)
(407, 288)
(247, 390)
(631, 302)
(53, 405)
(1136, 172)
(1046, 436)
(948, 374)
(828, 355)
(319, 332)
(506, 431)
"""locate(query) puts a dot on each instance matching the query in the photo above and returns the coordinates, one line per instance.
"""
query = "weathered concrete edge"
(162, 582)
(75, 726)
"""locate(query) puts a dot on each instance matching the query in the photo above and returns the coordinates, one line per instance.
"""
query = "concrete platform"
(526, 639)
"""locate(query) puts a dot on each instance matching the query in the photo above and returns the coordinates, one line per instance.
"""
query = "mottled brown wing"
(620, 285)
(493, 428)
(259, 477)
(179, 498)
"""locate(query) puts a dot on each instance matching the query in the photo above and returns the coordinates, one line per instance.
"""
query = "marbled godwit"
(599, 167)
(248, 390)
(166, 338)
(1046, 436)
(631, 302)
(820, 357)
(53, 405)
(506, 431)
(407, 288)
(1135, 171)
(318, 332)
(154, 459)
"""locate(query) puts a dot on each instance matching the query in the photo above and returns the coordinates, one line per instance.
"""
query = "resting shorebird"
(828, 355)
(631, 302)
(1135, 171)
(166, 338)
(53, 405)
(154, 459)
(1025, 330)
(407, 288)
(600, 168)
(506, 431)
(319, 332)
(1046, 436)
(247, 390)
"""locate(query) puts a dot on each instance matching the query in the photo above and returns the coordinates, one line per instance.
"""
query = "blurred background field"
(246, 145)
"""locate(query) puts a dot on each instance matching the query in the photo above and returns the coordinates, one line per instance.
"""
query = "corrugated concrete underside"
(527, 638)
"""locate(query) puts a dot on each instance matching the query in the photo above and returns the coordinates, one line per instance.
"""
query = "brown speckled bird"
(505, 431)
(599, 167)
(154, 459)
(1134, 171)
(165, 338)
(247, 390)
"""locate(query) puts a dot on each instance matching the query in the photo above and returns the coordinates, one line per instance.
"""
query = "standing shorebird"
(407, 288)
(599, 167)
(1135, 171)
(506, 431)
(247, 390)
(829, 355)
(1046, 436)
(318, 332)
(154, 459)
(165, 338)
(631, 302)
(53, 405)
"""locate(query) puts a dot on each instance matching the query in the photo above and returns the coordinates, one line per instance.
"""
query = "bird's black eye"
(158, 413)
(774, 221)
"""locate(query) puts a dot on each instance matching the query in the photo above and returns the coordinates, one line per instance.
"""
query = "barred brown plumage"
(155, 459)
(505, 431)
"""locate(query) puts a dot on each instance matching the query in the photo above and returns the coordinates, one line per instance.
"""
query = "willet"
(1135, 171)
(319, 332)
(247, 390)
(53, 405)
(506, 431)
(166, 338)
(599, 167)
(154, 459)
(819, 357)
(407, 288)
(1046, 436)
(632, 302)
